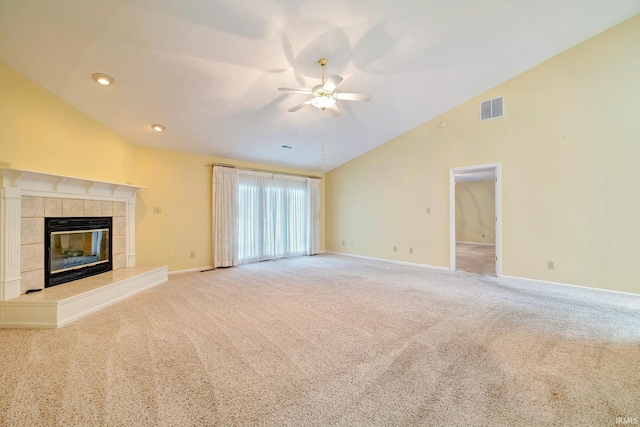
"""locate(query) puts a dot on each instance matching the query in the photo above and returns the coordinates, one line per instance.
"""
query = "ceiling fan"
(324, 95)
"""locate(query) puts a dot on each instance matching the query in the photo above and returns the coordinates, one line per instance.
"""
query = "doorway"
(475, 219)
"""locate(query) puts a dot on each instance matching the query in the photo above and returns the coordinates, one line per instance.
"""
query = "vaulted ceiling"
(209, 70)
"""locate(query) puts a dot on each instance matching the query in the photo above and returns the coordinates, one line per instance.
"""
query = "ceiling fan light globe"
(323, 102)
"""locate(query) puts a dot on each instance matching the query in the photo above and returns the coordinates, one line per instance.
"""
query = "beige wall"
(42, 133)
(180, 184)
(475, 212)
(569, 149)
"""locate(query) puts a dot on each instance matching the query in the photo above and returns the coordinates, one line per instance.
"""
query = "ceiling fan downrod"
(323, 63)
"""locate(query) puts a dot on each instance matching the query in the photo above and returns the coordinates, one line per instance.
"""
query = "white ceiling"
(209, 69)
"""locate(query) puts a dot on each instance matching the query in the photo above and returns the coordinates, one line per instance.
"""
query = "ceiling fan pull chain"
(322, 138)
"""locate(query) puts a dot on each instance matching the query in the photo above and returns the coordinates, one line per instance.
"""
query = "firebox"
(76, 247)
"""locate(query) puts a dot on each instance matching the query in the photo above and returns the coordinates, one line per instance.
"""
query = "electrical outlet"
(551, 265)
(157, 209)
(428, 210)
(410, 250)
(4, 164)
(343, 243)
(193, 254)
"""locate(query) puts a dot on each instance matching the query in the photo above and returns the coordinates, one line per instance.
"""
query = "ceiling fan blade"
(334, 110)
(332, 83)
(343, 96)
(299, 106)
(303, 91)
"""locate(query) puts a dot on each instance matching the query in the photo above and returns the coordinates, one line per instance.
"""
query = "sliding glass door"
(272, 216)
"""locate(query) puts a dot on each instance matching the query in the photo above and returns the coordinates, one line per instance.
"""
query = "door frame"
(498, 211)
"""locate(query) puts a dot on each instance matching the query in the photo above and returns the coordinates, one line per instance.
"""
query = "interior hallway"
(474, 258)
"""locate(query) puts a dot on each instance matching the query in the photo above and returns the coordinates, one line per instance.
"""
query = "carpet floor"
(473, 258)
(332, 340)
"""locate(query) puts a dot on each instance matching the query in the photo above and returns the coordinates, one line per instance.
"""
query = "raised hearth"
(27, 200)
(60, 305)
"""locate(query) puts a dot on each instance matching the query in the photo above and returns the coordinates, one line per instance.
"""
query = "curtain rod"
(262, 170)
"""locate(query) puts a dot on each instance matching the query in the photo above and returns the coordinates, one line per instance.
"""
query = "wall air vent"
(491, 108)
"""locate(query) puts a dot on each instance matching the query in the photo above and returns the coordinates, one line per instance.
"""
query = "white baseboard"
(392, 261)
(560, 284)
(191, 270)
(476, 243)
(545, 282)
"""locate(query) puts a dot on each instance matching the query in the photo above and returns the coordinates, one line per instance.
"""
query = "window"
(259, 216)
(273, 216)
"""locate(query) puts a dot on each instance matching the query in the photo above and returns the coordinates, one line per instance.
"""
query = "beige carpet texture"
(474, 258)
(331, 340)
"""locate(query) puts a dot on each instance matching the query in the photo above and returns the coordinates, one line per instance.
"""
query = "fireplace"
(75, 210)
(76, 247)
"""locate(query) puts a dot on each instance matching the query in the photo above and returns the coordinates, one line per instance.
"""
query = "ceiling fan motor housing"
(324, 96)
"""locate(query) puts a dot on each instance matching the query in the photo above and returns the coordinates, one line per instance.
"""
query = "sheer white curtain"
(225, 215)
(313, 216)
(291, 209)
(260, 216)
(273, 216)
(253, 226)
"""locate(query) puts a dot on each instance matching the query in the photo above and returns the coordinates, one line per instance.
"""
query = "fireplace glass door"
(73, 249)
(76, 247)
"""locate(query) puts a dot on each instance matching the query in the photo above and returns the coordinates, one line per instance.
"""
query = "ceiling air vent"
(491, 108)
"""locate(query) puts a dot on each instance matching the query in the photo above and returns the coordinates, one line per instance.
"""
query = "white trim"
(10, 244)
(589, 288)
(538, 281)
(410, 264)
(498, 212)
(476, 243)
(498, 231)
(452, 220)
(35, 311)
(39, 182)
(72, 195)
(18, 183)
(130, 235)
(191, 270)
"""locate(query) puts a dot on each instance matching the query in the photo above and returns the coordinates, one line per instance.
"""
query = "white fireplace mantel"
(15, 184)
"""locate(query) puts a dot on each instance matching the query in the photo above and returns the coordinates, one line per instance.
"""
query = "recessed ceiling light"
(103, 79)
(158, 128)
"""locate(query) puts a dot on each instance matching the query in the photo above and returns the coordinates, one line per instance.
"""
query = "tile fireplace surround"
(28, 197)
